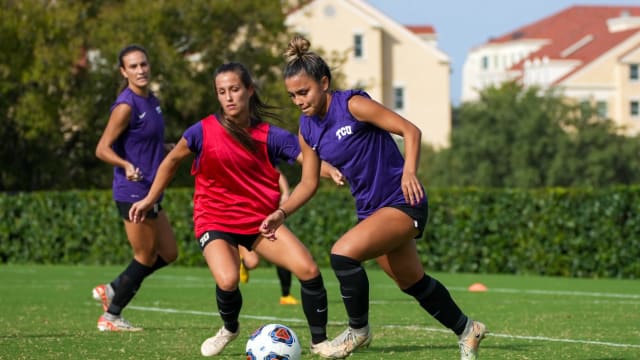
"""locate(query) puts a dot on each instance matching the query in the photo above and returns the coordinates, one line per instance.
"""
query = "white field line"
(557, 292)
(406, 327)
(207, 282)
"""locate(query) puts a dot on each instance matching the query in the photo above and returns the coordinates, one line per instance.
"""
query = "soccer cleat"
(469, 345)
(244, 273)
(215, 344)
(344, 344)
(288, 300)
(108, 322)
(352, 339)
(103, 294)
(326, 350)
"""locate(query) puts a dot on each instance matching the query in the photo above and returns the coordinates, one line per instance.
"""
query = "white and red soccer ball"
(273, 341)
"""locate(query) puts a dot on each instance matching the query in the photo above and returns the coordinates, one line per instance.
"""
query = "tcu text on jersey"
(343, 131)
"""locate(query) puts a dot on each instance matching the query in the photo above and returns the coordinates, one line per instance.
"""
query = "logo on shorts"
(204, 239)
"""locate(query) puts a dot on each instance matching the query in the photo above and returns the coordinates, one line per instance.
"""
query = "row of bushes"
(559, 232)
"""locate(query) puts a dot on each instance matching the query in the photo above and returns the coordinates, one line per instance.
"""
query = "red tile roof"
(421, 29)
(569, 26)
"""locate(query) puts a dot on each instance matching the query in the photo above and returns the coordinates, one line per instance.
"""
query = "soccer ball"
(273, 341)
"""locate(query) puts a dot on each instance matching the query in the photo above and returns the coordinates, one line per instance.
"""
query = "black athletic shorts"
(123, 210)
(233, 239)
(419, 214)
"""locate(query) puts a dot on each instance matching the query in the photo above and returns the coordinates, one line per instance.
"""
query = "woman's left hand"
(138, 211)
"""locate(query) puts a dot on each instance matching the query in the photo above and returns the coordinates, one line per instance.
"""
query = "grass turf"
(47, 313)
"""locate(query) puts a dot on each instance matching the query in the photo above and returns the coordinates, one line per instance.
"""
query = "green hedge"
(559, 232)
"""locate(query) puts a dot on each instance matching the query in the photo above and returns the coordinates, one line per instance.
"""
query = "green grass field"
(47, 313)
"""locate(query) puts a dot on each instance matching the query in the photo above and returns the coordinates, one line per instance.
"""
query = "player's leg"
(166, 244)
(369, 239)
(141, 237)
(284, 276)
(403, 265)
(223, 260)
(248, 260)
(288, 252)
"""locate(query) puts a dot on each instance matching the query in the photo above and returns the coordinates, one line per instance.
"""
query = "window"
(485, 63)
(634, 108)
(633, 72)
(585, 106)
(601, 108)
(398, 98)
(358, 50)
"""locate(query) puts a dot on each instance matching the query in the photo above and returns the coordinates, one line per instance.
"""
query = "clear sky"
(464, 24)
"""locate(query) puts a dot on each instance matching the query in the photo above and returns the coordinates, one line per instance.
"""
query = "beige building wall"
(628, 90)
(608, 80)
(392, 57)
(604, 81)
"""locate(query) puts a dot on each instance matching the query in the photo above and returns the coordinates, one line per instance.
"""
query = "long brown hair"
(257, 108)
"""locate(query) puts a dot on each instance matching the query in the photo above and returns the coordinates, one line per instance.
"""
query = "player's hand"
(412, 189)
(133, 173)
(271, 224)
(138, 210)
(337, 177)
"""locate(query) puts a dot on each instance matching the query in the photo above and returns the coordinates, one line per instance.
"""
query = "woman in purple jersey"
(352, 132)
(235, 153)
(133, 142)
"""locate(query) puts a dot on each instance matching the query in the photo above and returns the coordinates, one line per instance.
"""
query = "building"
(399, 66)
(590, 53)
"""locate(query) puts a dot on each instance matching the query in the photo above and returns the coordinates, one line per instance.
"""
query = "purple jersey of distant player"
(281, 144)
(366, 155)
(141, 144)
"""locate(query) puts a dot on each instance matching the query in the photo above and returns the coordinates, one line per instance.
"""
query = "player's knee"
(170, 256)
(251, 262)
(307, 270)
(227, 281)
(339, 262)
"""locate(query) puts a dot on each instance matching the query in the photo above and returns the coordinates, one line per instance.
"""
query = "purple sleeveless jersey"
(365, 154)
(142, 144)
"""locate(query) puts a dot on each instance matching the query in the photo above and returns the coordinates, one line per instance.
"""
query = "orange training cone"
(478, 287)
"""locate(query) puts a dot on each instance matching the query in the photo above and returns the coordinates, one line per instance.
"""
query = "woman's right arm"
(166, 171)
(117, 124)
(303, 191)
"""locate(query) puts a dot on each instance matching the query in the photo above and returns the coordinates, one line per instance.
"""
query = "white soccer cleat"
(344, 344)
(469, 345)
(108, 322)
(328, 351)
(215, 344)
(103, 294)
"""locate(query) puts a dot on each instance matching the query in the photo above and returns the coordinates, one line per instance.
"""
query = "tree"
(522, 137)
(59, 78)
